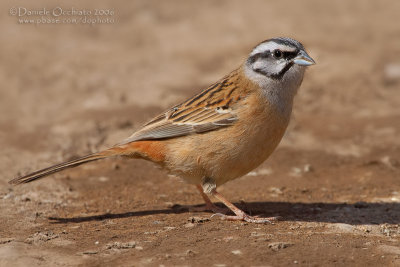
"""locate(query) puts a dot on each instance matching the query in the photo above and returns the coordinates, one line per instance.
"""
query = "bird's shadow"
(355, 214)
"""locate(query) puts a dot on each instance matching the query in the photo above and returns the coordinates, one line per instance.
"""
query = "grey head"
(277, 65)
(275, 57)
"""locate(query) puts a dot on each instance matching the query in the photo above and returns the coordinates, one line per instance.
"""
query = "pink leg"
(240, 215)
(209, 205)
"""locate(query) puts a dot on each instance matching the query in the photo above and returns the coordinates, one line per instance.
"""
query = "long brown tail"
(65, 165)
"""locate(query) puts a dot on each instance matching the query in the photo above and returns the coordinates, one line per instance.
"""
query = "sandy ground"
(70, 89)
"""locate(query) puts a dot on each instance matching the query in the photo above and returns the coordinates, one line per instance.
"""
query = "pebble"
(9, 195)
(392, 72)
(275, 246)
(190, 252)
(276, 190)
(6, 240)
(198, 219)
(228, 238)
(151, 233)
(389, 162)
(115, 166)
(308, 168)
(295, 172)
(103, 179)
(343, 227)
(90, 252)
(389, 230)
(119, 245)
(41, 237)
(236, 252)
(257, 234)
(189, 225)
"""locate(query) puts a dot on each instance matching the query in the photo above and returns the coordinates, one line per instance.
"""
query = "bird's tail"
(65, 165)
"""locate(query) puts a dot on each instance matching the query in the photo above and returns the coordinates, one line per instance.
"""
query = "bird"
(221, 133)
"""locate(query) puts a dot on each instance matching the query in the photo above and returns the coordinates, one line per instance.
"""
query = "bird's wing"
(210, 110)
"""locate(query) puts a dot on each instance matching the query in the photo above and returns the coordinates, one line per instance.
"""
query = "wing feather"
(210, 110)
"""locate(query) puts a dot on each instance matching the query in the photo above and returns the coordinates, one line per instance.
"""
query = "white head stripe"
(271, 46)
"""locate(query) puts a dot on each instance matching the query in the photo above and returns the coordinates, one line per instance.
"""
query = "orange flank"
(151, 150)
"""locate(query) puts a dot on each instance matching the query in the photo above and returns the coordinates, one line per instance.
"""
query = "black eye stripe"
(286, 55)
(290, 55)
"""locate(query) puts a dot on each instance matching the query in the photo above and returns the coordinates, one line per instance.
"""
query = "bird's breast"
(230, 152)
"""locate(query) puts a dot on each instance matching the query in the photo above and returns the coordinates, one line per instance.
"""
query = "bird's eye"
(277, 54)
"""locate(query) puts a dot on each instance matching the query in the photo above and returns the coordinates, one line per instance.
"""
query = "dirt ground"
(70, 89)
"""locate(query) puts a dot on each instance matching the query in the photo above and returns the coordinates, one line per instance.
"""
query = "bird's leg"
(239, 214)
(209, 186)
(209, 206)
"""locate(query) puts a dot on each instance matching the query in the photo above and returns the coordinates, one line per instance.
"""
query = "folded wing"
(210, 110)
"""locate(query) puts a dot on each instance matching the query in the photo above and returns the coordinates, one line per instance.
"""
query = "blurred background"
(87, 82)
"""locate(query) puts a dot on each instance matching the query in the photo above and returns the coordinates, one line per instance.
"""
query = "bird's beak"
(303, 59)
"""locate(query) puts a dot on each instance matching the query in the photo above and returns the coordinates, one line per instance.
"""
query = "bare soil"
(67, 90)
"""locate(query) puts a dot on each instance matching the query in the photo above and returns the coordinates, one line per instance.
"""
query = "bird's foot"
(239, 214)
(247, 218)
